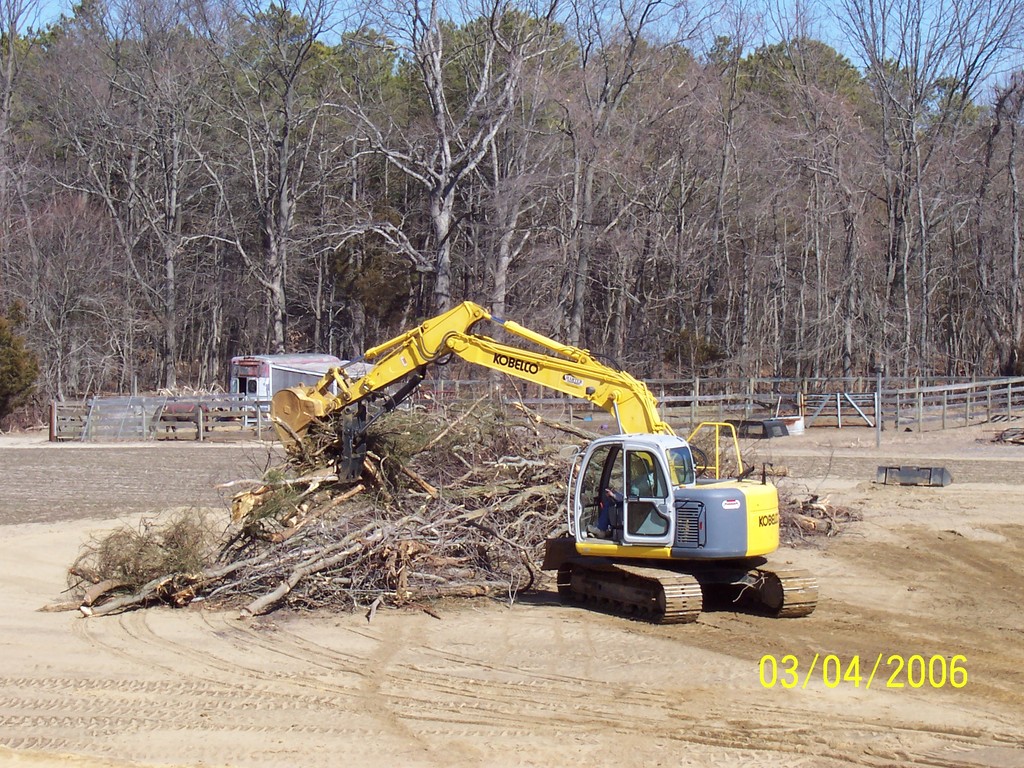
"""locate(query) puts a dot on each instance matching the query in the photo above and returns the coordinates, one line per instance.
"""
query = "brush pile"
(453, 503)
(801, 521)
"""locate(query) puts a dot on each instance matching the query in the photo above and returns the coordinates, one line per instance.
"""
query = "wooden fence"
(914, 404)
(926, 406)
(111, 419)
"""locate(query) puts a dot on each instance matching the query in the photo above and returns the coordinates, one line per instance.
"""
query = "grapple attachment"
(308, 433)
(350, 446)
(292, 411)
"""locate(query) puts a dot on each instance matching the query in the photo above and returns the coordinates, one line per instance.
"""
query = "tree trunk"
(442, 200)
(170, 352)
(1012, 366)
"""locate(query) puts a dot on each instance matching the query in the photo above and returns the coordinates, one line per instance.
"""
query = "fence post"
(920, 403)
(87, 426)
(878, 408)
(695, 401)
(1009, 399)
(878, 419)
(199, 422)
(945, 402)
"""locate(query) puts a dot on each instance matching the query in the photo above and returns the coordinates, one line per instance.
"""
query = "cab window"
(604, 470)
(590, 490)
(680, 466)
(647, 489)
(645, 478)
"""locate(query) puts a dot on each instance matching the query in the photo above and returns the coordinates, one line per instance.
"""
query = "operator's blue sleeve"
(604, 509)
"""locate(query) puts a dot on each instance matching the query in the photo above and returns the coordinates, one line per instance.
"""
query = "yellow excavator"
(647, 534)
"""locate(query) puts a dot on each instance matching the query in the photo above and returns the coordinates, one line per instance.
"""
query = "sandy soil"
(930, 571)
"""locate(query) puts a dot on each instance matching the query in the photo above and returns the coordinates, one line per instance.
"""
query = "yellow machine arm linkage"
(563, 368)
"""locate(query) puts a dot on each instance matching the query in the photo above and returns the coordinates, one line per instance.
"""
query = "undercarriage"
(678, 593)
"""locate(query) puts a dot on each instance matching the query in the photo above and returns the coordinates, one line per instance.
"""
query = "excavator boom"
(566, 369)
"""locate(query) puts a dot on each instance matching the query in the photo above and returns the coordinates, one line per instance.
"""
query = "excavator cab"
(644, 496)
(624, 489)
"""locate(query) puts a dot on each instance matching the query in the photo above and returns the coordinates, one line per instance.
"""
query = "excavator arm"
(559, 367)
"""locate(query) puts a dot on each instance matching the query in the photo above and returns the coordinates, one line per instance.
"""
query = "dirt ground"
(928, 575)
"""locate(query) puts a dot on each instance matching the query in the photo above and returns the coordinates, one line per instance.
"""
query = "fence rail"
(954, 405)
(915, 404)
(111, 419)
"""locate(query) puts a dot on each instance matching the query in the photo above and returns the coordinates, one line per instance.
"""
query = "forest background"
(687, 188)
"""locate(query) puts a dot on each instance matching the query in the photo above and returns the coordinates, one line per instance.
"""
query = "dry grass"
(183, 543)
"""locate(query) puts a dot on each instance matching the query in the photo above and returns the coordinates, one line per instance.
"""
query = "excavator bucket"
(931, 476)
(292, 411)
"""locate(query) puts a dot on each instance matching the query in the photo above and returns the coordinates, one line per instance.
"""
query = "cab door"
(648, 506)
(601, 470)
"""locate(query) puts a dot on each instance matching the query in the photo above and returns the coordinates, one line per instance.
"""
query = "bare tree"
(1002, 292)
(618, 45)
(15, 16)
(520, 167)
(268, 105)
(466, 79)
(127, 92)
(82, 325)
(925, 61)
(825, 94)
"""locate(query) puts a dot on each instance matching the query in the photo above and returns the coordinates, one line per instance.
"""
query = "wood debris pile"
(802, 520)
(454, 503)
(1013, 435)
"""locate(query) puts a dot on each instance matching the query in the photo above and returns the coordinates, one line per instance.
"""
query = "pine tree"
(18, 367)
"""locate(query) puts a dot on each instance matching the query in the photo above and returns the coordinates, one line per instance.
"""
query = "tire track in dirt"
(427, 694)
(437, 706)
(545, 698)
(495, 686)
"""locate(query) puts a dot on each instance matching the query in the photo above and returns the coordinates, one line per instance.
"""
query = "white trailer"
(260, 377)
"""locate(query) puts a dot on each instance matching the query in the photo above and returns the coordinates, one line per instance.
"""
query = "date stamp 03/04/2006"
(893, 671)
